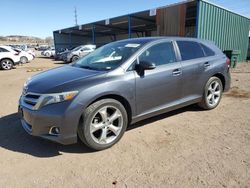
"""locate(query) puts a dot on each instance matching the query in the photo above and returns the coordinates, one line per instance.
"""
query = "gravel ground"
(185, 148)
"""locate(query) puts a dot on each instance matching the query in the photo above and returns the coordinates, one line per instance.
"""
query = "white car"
(8, 57)
(49, 53)
(25, 56)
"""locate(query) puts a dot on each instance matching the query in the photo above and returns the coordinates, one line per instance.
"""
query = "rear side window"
(159, 54)
(3, 50)
(190, 50)
(207, 50)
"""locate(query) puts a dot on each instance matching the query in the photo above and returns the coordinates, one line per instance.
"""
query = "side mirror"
(144, 65)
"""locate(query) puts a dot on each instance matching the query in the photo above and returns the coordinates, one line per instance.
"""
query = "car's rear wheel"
(212, 94)
(47, 54)
(6, 64)
(104, 123)
(24, 60)
(74, 58)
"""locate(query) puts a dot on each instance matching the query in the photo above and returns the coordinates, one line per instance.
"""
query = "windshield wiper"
(87, 67)
(92, 68)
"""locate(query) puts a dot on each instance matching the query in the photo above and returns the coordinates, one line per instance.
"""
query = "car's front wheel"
(6, 64)
(74, 58)
(103, 124)
(212, 94)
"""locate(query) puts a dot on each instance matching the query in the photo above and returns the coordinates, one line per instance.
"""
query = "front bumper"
(39, 122)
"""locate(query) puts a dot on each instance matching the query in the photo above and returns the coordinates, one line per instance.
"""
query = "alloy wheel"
(106, 125)
(6, 64)
(214, 93)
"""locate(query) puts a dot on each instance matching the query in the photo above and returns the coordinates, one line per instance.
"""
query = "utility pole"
(76, 17)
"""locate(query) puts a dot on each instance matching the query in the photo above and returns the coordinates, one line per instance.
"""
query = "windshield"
(110, 56)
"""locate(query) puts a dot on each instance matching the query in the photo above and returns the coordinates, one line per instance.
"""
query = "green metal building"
(227, 29)
(193, 18)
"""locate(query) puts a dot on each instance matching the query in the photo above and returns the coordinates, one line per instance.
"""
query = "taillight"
(228, 62)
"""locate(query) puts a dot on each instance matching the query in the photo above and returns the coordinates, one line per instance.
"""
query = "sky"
(40, 18)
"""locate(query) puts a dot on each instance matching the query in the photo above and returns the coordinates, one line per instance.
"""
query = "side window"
(159, 54)
(85, 49)
(190, 50)
(207, 50)
(3, 50)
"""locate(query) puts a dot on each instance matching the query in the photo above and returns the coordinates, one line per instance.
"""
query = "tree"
(49, 40)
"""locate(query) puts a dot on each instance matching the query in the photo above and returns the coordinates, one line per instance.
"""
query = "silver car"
(78, 52)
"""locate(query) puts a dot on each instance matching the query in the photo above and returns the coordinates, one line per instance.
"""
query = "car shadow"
(14, 138)
(148, 121)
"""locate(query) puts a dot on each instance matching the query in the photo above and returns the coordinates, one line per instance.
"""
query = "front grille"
(30, 100)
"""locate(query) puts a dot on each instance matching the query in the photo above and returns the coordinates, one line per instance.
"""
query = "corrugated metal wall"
(228, 30)
(171, 20)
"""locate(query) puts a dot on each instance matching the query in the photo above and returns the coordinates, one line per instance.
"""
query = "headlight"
(26, 82)
(25, 86)
(47, 99)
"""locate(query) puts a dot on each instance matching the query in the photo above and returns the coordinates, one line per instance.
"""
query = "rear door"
(160, 87)
(195, 64)
(84, 51)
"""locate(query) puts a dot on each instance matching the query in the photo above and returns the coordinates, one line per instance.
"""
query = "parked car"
(31, 52)
(49, 52)
(25, 56)
(59, 55)
(78, 52)
(23, 47)
(42, 48)
(8, 57)
(95, 99)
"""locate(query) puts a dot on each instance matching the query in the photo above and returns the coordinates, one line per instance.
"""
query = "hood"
(56, 78)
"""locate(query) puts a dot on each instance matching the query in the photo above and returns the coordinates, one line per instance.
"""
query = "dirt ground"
(185, 148)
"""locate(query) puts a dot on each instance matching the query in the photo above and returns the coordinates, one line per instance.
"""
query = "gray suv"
(121, 83)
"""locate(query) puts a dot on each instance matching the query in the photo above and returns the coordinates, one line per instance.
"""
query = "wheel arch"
(74, 56)
(119, 98)
(8, 59)
(222, 78)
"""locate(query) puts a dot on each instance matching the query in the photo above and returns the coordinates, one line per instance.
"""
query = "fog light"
(54, 131)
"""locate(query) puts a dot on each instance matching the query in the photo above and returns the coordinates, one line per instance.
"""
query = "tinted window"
(3, 50)
(85, 48)
(207, 50)
(190, 50)
(159, 54)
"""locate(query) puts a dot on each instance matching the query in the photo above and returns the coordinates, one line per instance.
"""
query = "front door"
(161, 87)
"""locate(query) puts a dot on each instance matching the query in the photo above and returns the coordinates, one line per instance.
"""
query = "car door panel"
(158, 88)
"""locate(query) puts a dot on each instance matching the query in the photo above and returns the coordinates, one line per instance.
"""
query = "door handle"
(176, 72)
(207, 64)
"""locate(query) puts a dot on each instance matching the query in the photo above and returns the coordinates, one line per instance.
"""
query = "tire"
(212, 94)
(74, 58)
(24, 60)
(104, 123)
(6, 64)
(47, 54)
